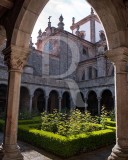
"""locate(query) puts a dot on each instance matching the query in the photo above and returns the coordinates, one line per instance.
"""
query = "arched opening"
(107, 100)
(80, 102)
(24, 100)
(92, 103)
(90, 73)
(83, 76)
(3, 97)
(113, 17)
(53, 101)
(38, 101)
(65, 103)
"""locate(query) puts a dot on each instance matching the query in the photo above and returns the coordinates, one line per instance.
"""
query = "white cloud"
(68, 8)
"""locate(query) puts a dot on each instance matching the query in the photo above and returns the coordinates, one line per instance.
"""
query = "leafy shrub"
(67, 125)
(50, 121)
(112, 115)
(2, 115)
(65, 146)
(61, 145)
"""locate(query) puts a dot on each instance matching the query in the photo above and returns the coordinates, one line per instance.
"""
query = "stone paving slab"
(32, 153)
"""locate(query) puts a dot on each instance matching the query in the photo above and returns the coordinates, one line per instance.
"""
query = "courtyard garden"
(67, 134)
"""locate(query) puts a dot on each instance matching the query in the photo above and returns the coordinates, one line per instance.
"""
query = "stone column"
(113, 101)
(99, 109)
(46, 103)
(15, 57)
(60, 98)
(71, 104)
(86, 105)
(30, 107)
(119, 57)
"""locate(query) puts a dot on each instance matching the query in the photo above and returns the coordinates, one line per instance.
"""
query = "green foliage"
(67, 125)
(112, 115)
(33, 120)
(25, 115)
(50, 121)
(61, 145)
(65, 146)
(103, 117)
(2, 115)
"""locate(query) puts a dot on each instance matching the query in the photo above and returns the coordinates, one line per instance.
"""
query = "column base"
(12, 152)
(119, 153)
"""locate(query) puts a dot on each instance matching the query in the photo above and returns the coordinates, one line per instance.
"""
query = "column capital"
(99, 98)
(59, 98)
(15, 57)
(47, 96)
(118, 54)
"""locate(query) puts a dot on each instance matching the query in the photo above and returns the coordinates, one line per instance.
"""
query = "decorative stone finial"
(92, 11)
(30, 43)
(78, 27)
(78, 32)
(102, 35)
(61, 24)
(40, 33)
(73, 20)
(49, 23)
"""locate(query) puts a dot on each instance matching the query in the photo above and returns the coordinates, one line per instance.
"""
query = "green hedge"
(30, 121)
(64, 146)
(2, 122)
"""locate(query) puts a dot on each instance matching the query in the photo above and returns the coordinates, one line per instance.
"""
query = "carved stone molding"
(119, 56)
(15, 57)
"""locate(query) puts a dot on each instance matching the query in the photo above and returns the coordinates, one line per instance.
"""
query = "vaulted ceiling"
(4, 6)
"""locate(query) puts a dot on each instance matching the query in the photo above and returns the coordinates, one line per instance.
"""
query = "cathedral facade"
(65, 70)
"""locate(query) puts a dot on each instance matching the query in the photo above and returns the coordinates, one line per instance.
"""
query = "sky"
(68, 8)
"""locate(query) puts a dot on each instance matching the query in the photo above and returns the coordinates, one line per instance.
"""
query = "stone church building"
(44, 87)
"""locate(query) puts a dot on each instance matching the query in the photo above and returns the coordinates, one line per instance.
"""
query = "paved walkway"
(32, 153)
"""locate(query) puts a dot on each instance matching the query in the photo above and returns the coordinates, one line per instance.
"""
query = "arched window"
(83, 76)
(48, 47)
(95, 73)
(90, 73)
(85, 51)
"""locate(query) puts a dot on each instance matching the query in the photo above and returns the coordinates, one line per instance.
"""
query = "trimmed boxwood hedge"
(61, 145)
(65, 146)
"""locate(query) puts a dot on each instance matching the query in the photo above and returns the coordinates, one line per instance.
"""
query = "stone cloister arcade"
(18, 19)
(40, 100)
